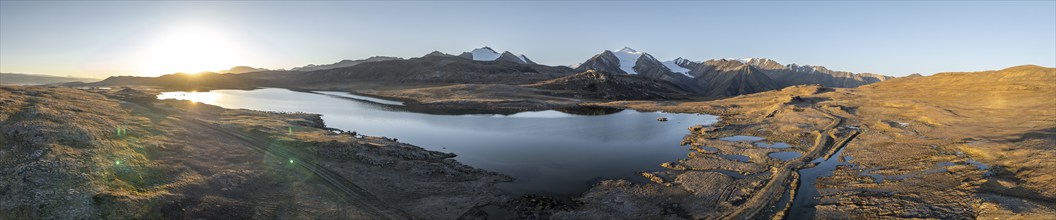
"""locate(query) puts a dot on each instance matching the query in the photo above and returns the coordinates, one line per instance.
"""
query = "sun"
(190, 48)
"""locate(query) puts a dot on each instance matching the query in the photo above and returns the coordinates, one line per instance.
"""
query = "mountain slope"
(793, 74)
(526, 60)
(724, 78)
(681, 65)
(481, 54)
(343, 63)
(628, 59)
(432, 68)
(625, 60)
(197, 81)
(488, 54)
(605, 61)
(603, 85)
(633, 62)
(510, 57)
(806, 74)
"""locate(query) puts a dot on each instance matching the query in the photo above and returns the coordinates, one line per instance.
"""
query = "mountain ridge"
(343, 63)
(713, 78)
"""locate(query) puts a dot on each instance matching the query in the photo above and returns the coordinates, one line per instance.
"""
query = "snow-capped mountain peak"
(627, 50)
(750, 60)
(628, 58)
(734, 59)
(802, 68)
(485, 54)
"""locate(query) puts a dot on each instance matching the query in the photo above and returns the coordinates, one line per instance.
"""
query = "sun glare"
(190, 49)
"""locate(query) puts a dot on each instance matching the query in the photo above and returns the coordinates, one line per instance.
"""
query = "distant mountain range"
(724, 77)
(37, 79)
(242, 69)
(437, 67)
(488, 54)
(711, 78)
(343, 63)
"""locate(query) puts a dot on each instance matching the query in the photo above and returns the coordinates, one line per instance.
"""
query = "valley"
(873, 152)
(509, 110)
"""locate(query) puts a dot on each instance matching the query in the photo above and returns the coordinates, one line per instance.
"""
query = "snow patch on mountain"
(750, 60)
(628, 58)
(802, 68)
(485, 54)
(523, 58)
(674, 67)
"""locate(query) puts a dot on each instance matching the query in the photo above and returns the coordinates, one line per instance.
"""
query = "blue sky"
(98, 39)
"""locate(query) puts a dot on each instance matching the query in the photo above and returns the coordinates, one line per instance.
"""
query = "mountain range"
(488, 54)
(724, 77)
(714, 78)
(38, 79)
(343, 63)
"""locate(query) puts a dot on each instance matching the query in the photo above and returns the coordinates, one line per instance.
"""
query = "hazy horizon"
(99, 39)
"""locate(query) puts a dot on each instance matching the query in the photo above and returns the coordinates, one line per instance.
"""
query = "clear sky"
(98, 39)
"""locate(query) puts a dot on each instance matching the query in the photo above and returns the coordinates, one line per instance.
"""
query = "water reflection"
(779, 145)
(785, 155)
(361, 98)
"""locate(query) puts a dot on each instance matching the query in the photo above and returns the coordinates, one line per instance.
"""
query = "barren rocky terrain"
(949, 146)
(120, 154)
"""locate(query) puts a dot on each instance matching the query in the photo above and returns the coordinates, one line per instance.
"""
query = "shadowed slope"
(604, 85)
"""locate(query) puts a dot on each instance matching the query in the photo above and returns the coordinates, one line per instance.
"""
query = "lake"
(547, 152)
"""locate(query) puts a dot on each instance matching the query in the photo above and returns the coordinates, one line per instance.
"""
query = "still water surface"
(548, 152)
